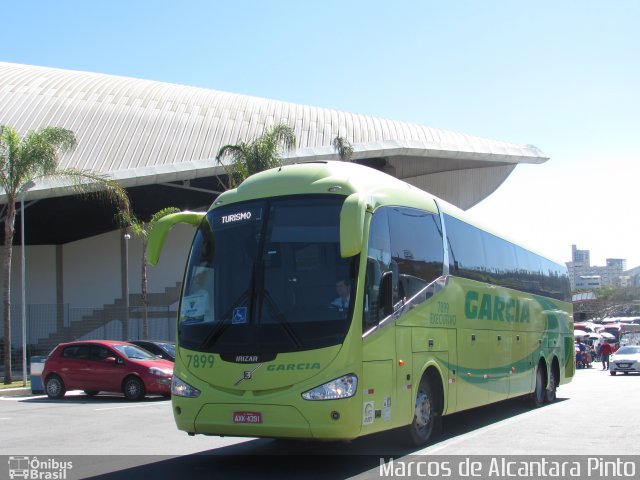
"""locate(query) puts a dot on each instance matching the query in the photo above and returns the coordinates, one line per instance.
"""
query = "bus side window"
(378, 262)
(416, 252)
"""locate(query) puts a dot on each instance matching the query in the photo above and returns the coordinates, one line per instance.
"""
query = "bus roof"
(331, 177)
(344, 178)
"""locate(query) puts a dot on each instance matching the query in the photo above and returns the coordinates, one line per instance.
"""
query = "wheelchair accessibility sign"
(239, 316)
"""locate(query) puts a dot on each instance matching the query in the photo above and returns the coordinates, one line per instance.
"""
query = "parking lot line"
(129, 406)
(16, 398)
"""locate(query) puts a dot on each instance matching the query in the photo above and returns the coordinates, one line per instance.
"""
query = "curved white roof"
(143, 132)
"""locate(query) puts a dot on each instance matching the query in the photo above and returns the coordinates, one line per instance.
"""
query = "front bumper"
(323, 420)
(624, 366)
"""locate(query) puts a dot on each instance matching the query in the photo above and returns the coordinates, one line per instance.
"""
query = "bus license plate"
(247, 417)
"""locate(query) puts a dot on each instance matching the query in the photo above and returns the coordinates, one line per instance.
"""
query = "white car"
(626, 359)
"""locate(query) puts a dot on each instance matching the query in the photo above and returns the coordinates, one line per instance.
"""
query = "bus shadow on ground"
(283, 459)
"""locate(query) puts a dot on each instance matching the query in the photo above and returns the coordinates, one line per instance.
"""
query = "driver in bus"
(343, 289)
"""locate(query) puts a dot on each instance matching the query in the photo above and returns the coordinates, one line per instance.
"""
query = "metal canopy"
(153, 137)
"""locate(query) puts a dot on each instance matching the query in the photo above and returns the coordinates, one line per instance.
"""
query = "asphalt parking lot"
(594, 415)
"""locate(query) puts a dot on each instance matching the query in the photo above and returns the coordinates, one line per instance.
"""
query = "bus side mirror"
(386, 293)
(351, 226)
(158, 233)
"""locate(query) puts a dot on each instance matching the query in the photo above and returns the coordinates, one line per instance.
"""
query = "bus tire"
(424, 417)
(539, 394)
(552, 385)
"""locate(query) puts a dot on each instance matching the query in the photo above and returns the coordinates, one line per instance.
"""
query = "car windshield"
(133, 352)
(263, 276)
(628, 351)
(170, 348)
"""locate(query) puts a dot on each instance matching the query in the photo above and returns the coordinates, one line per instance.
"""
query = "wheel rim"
(53, 387)
(132, 388)
(423, 412)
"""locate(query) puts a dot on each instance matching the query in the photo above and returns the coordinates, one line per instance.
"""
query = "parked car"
(106, 366)
(160, 348)
(625, 359)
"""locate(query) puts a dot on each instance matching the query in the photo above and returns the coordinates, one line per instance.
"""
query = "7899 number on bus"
(199, 361)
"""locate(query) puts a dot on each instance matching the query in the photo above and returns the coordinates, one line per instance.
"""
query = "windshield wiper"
(282, 319)
(245, 298)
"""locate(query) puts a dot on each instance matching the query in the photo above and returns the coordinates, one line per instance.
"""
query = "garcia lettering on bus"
(495, 307)
(293, 366)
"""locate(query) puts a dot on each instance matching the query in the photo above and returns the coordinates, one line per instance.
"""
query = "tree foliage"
(141, 229)
(255, 156)
(343, 147)
(26, 160)
(618, 294)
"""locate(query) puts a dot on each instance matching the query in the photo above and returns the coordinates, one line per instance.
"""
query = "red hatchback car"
(106, 366)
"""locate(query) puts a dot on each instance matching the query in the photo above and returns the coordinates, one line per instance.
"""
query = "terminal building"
(159, 141)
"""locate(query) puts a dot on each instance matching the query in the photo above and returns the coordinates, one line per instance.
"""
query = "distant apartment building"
(583, 276)
(633, 277)
(587, 282)
(580, 257)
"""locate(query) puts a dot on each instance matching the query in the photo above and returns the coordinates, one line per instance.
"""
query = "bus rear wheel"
(424, 417)
(552, 386)
(540, 393)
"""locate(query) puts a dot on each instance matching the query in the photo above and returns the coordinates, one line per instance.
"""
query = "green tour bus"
(329, 301)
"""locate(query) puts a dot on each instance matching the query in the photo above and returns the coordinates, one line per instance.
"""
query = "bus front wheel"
(425, 413)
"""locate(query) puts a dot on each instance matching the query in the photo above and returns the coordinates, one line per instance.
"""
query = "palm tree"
(23, 160)
(257, 155)
(343, 147)
(141, 229)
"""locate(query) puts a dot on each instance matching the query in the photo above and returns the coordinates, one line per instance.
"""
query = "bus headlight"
(343, 387)
(183, 389)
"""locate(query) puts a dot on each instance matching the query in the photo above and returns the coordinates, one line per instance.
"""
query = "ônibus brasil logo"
(34, 468)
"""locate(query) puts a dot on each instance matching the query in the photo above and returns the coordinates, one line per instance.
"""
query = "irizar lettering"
(246, 358)
(235, 217)
(495, 307)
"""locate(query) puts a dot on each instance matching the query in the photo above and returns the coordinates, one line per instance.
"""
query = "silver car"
(626, 359)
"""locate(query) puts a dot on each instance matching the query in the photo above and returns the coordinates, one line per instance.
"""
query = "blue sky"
(563, 76)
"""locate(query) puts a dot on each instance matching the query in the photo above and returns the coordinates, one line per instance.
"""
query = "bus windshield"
(266, 277)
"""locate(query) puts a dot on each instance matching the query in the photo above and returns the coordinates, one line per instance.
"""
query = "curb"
(15, 392)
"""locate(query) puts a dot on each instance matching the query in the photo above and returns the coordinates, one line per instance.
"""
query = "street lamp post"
(23, 191)
(125, 333)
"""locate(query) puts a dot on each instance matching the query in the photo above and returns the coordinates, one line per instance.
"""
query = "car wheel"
(425, 413)
(612, 372)
(552, 385)
(133, 389)
(539, 394)
(54, 386)
(91, 393)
